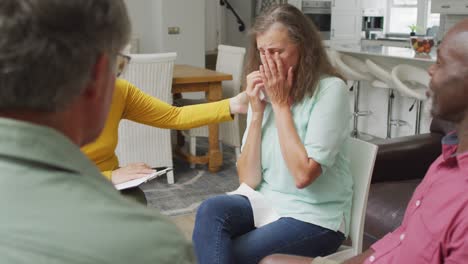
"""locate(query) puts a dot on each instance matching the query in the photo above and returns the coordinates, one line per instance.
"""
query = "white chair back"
(351, 68)
(230, 60)
(152, 73)
(362, 156)
(411, 81)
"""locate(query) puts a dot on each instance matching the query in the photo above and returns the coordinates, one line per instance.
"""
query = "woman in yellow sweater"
(131, 103)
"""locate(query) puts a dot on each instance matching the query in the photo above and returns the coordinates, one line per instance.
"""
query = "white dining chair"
(362, 156)
(152, 73)
(412, 82)
(230, 60)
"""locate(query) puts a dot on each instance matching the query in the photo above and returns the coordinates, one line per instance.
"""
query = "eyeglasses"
(122, 62)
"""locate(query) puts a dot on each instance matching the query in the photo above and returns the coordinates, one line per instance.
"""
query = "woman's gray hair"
(48, 48)
(313, 60)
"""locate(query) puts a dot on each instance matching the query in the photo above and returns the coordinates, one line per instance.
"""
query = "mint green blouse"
(323, 125)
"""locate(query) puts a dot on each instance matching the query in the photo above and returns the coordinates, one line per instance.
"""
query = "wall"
(151, 19)
(212, 25)
(143, 23)
(189, 16)
(231, 34)
(221, 25)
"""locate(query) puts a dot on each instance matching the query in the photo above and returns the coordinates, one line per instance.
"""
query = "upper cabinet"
(456, 7)
(346, 21)
(344, 18)
(346, 4)
(296, 3)
(374, 4)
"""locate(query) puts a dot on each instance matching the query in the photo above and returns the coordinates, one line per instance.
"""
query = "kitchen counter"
(375, 99)
(401, 39)
(386, 51)
(385, 42)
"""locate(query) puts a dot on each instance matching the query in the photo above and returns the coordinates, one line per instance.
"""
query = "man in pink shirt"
(435, 225)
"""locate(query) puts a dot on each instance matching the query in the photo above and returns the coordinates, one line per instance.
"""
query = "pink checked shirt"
(435, 226)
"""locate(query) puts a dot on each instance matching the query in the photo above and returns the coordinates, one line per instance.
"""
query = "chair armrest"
(406, 158)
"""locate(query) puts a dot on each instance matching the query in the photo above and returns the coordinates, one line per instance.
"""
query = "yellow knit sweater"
(131, 103)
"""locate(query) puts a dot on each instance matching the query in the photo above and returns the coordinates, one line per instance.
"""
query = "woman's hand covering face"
(277, 80)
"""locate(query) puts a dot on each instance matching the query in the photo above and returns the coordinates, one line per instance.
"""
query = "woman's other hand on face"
(277, 80)
(254, 86)
(239, 103)
(130, 172)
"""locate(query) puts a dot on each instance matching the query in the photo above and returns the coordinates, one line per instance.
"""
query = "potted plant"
(413, 29)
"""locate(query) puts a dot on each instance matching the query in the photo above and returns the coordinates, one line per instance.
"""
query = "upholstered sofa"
(400, 165)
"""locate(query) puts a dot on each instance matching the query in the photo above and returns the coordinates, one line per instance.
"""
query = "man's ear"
(99, 76)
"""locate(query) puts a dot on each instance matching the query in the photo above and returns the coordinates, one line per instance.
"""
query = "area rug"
(192, 186)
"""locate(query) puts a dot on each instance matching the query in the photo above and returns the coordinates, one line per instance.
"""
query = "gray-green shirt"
(56, 207)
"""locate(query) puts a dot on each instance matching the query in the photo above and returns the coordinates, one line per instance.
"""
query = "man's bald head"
(449, 76)
(456, 42)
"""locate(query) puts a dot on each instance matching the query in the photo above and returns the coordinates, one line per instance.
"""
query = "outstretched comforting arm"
(143, 108)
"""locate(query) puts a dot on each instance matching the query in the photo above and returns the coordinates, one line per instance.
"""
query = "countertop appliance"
(319, 11)
(372, 22)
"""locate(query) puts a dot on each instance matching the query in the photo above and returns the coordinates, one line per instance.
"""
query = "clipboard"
(139, 181)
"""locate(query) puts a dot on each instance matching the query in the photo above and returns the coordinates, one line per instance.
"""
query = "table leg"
(180, 137)
(214, 154)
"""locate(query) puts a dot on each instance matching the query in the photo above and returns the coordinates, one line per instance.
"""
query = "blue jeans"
(225, 233)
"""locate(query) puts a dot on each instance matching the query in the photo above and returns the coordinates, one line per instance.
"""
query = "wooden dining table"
(186, 79)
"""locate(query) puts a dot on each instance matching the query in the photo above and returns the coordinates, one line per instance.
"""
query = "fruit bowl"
(422, 45)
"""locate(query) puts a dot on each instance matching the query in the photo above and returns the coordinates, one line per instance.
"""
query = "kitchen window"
(403, 13)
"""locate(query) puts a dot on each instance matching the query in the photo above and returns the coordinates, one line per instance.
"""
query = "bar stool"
(385, 82)
(356, 71)
(412, 82)
(332, 54)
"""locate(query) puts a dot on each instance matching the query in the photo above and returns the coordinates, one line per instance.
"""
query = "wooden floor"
(185, 224)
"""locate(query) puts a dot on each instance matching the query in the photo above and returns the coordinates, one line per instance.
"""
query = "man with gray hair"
(58, 63)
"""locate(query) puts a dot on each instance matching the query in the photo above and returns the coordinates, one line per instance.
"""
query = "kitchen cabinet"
(346, 4)
(346, 21)
(296, 3)
(455, 7)
(374, 4)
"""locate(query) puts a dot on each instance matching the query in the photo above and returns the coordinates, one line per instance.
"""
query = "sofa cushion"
(406, 158)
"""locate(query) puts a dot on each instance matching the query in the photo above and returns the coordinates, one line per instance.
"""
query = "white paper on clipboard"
(137, 182)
